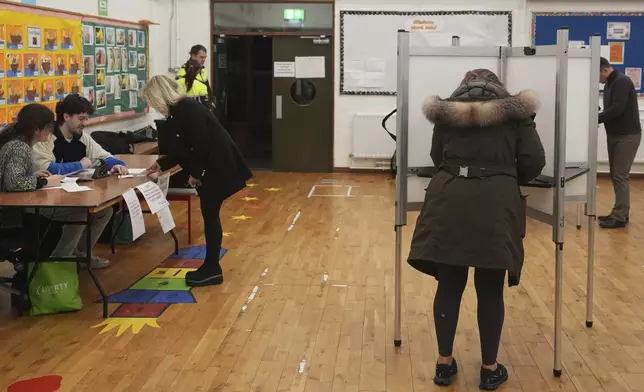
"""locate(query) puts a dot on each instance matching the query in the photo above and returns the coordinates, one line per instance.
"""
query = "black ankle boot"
(492, 380)
(205, 277)
(444, 373)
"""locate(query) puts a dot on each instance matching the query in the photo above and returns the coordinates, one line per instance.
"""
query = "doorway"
(274, 94)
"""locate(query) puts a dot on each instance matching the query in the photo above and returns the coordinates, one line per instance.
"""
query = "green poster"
(102, 7)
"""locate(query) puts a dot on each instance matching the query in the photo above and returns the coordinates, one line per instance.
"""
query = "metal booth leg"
(558, 307)
(579, 214)
(398, 289)
(590, 272)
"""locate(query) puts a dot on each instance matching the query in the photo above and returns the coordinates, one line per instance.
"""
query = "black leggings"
(210, 210)
(489, 285)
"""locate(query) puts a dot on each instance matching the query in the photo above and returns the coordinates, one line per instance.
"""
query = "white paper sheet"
(74, 187)
(69, 180)
(636, 76)
(374, 79)
(136, 171)
(125, 176)
(374, 64)
(136, 213)
(153, 196)
(164, 184)
(310, 67)
(284, 69)
(354, 80)
(354, 65)
(166, 220)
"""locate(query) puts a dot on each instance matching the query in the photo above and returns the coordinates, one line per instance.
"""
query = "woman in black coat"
(206, 151)
(485, 144)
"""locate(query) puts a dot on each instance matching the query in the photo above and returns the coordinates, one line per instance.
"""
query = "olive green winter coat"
(478, 222)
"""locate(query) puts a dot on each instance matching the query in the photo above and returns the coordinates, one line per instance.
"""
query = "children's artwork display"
(115, 60)
(47, 54)
(38, 52)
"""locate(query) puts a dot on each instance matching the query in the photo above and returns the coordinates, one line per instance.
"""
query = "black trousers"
(489, 285)
(210, 210)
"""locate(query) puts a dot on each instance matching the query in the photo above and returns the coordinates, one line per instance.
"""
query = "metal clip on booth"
(566, 81)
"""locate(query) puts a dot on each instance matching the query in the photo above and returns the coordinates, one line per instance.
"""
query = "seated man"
(70, 149)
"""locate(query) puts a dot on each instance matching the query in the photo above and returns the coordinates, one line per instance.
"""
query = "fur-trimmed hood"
(460, 111)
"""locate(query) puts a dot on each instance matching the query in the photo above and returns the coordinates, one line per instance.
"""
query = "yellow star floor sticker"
(227, 234)
(242, 217)
(251, 185)
(273, 189)
(250, 198)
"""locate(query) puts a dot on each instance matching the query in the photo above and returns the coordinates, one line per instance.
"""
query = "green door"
(303, 104)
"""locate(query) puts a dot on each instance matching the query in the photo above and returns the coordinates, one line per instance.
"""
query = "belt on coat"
(478, 172)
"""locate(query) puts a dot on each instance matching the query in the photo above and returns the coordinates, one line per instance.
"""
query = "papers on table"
(136, 213)
(153, 196)
(164, 183)
(66, 180)
(74, 187)
(166, 220)
(136, 171)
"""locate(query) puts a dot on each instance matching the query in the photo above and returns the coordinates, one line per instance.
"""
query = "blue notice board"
(582, 25)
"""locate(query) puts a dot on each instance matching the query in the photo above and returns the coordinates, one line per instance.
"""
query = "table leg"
(190, 220)
(30, 275)
(176, 242)
(123, 212)
(89, 263)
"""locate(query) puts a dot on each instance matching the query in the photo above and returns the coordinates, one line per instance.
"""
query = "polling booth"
(567, 82)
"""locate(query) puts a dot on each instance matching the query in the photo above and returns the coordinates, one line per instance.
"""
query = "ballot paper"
(153, 196)
(136, 213)
(74, 187)
(69, 180)
(166, 220)
(164, 184)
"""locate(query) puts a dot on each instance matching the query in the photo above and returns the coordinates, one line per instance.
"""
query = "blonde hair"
(161, 92)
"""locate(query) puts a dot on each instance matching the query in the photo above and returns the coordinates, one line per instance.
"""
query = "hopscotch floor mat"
(145, 301)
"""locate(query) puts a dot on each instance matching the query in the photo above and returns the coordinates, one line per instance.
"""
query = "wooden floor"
(322, 316)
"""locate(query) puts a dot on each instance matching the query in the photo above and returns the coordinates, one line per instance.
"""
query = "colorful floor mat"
(146, 300)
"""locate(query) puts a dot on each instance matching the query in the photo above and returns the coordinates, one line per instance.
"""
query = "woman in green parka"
(485, 144)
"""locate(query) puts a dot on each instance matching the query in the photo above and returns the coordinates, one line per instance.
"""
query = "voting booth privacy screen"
(566, 81)
(368, 41)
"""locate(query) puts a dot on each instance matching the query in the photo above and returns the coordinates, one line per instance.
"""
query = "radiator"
(370, 141)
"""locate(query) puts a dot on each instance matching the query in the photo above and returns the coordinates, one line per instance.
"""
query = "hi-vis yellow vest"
(199, 89)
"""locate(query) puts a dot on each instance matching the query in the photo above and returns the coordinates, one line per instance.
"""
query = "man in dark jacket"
(621, 118)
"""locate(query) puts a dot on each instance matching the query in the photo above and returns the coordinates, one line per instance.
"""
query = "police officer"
(193, 77)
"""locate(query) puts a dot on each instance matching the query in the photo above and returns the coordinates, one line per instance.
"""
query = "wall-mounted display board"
(46, 54)
(39, 59)
(368, 46)
(115, 67)
(622, 36)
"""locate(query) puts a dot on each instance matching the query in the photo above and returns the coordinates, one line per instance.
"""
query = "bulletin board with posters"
(40, 56)
(622, 36)
(115, 67)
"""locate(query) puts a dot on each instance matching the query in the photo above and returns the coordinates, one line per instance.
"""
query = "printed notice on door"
(636, 76)
(284, 69)
(310, 67)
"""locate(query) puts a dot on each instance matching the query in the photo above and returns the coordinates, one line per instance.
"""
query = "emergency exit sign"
(294, 14)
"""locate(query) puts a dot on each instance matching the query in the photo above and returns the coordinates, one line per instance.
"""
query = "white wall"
(193, 19)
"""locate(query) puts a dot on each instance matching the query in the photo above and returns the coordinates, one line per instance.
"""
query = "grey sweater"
(16, 175)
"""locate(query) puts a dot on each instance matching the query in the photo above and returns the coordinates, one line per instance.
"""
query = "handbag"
(54, 288)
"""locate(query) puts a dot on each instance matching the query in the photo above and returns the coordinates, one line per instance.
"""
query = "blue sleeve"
(64, 168)
(111, 162)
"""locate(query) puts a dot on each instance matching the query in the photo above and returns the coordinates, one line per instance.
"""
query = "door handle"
(278, 107)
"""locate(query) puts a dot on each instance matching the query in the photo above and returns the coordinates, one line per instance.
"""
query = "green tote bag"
(54, 289)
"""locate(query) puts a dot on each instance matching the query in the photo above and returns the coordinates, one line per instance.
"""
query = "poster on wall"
(616, 52)
(618, 30)
(636, 76)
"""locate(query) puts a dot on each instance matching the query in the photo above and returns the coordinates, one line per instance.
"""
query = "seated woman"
(485, 144)
(34, 124)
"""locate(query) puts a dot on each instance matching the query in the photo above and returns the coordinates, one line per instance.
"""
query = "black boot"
(492, 380)
(444, 373)
(205, 276)
(613, 223)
